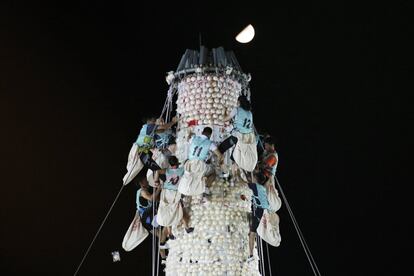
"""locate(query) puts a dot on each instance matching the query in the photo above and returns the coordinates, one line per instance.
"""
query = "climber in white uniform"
(196, 169)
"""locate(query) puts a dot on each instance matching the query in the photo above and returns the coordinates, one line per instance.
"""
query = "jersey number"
(247, 123)
(197, 151)
(174, 180)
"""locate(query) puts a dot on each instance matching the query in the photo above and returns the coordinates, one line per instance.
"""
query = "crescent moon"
(246, 35)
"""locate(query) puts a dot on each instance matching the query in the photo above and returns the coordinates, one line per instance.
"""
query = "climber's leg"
(227, 143)
(146, 158)
(252, 239)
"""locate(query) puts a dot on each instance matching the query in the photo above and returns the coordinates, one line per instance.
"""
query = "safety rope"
(153, 234)
(268, 259)
(168, 103)
(102, 224)
(299, 232)
(258, 253)
(158, 251)
(262, 257)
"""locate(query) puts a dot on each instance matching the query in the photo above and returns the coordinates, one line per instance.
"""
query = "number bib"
(243, 121)
(173, 177)
(199, 148)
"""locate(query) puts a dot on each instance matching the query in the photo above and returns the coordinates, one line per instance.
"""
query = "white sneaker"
(164, 246)
(224, 174)
(250, 259)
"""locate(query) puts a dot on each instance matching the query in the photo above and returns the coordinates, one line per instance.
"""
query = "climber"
(140, 156)
(146, 196)
(270, 159)
(243, 138)
(145, 199)
(198, 169)
(172, 177)
(201, 145)
(243, 123)
(160, 156)
(259, 203)
(145, 140)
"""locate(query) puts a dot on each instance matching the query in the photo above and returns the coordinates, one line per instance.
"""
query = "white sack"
(273, 197)
(134, 165)
(170, 211)
(268, 228)
(135, 235)
(191, 182)
(245, 151)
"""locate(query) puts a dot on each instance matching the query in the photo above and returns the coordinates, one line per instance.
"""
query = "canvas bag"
(134, 165)
(245, 151)
(268, 228)
(191, 183)
(273, 197)
(170, 211)
(135, 235)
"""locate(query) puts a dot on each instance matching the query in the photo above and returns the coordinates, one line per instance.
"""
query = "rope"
(268, 259)
(300, 235)
(153, 233)
(260, 254)
(262, 257)
(168, 104)
(99, 230)
(158, 251)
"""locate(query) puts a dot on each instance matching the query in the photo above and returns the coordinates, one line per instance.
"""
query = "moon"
(246, 35)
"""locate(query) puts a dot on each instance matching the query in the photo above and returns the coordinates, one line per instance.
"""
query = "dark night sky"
(327, 81)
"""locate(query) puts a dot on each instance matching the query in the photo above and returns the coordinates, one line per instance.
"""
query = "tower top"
(215, 60)
(216, 57)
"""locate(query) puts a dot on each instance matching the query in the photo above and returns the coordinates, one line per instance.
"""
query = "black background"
(76, 77)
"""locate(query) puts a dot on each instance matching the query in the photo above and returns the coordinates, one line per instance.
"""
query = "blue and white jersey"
(199, 148)
(146, 135)
(173, 177)
(259, 197)
(243, 121)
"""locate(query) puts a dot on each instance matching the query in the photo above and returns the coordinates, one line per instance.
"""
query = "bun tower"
(208, 84)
